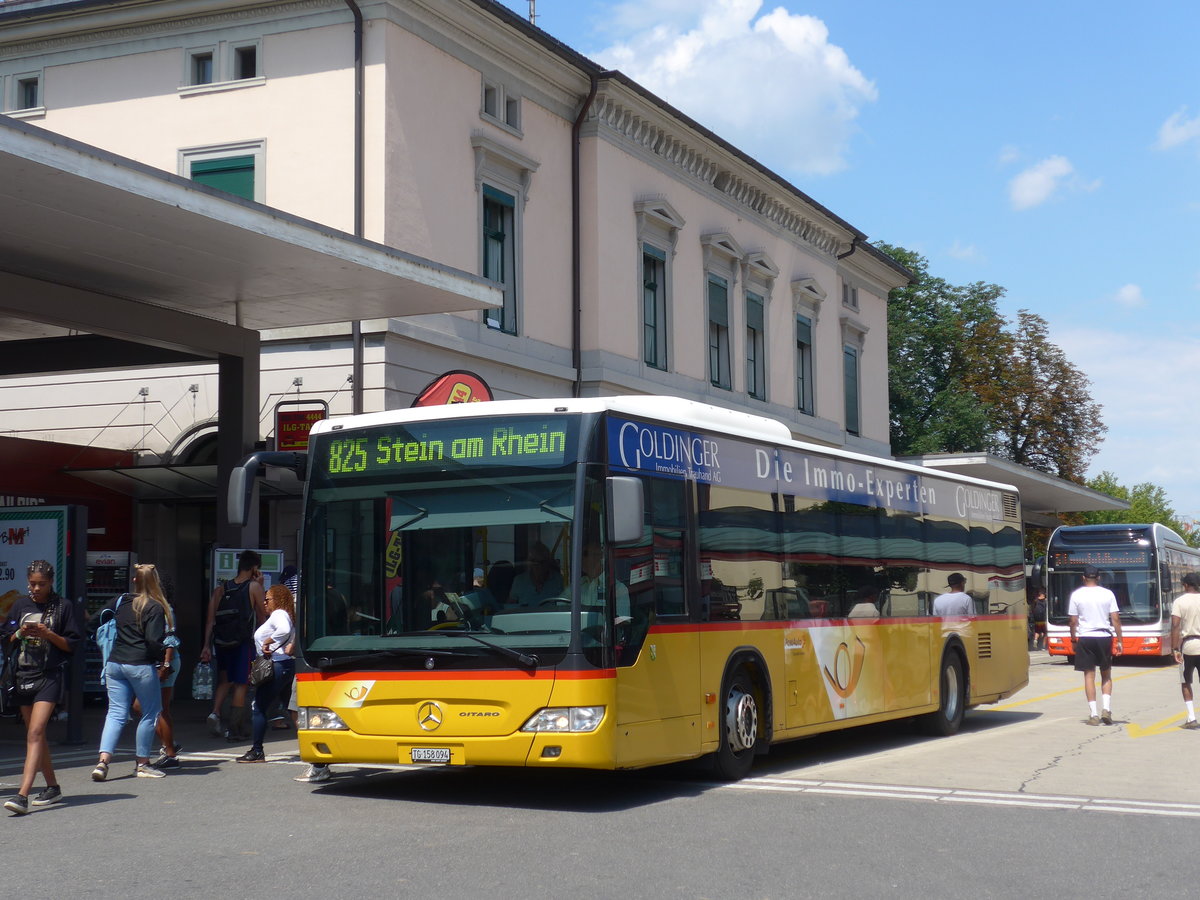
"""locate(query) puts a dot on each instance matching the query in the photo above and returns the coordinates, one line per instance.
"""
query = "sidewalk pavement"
(191, 732)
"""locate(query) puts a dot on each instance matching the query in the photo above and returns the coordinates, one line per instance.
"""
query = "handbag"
(262, 670)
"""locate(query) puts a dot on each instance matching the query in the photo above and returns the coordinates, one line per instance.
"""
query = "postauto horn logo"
(668, 452)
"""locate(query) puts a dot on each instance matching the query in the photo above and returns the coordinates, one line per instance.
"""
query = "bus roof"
(675, 411)
(1158, 530)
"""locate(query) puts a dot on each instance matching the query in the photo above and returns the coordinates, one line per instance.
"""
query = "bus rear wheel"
(738, 730)
(952, 700)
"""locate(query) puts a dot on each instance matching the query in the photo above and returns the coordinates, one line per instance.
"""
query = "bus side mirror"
(241, 479)
(1165, 578)
(237, 503)
(626, 508)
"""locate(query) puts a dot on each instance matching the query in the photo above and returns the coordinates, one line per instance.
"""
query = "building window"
(245, 62)
(200, 67)
(658, 226)
(756, 373)
(850, 381)
(501, 106)
(654, 307)
(804, 365)
(499, 255)
(28, 92)
(234, 168)
(718, 332)
(849, 296)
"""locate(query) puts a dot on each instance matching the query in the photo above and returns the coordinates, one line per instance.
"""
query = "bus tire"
(952, 698)
(738, 729)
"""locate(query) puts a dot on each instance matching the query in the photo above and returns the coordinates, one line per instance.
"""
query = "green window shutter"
(651, 250)
(803, 331)
(234, 174)
(718, 301)
(490, 193)
(754, 312)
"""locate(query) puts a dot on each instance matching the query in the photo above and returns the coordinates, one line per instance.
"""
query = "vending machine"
(108, 574)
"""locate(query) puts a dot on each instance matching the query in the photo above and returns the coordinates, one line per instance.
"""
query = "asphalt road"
(1027, 799)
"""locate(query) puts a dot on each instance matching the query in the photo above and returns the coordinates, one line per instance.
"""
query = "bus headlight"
(565, 719)
(318, 718)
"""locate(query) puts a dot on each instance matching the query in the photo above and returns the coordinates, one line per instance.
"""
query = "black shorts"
(1094, 651)
(50, 690)
(1191, 662)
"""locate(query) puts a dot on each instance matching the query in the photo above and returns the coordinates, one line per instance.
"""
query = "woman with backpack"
(44, 635)
(134, 669)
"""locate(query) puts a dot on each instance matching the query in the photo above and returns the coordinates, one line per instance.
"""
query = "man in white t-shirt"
(1185, 640)
(1096, 621)
(956, 601)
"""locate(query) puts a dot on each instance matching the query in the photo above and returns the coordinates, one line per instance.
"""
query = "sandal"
(100, 772)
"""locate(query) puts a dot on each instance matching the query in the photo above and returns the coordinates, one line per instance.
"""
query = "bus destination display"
(436, 446)
(1119, 559)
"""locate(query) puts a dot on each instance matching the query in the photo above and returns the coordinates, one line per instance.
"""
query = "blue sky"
(1051, 148)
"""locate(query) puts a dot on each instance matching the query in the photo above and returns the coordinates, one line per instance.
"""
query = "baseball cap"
(955, 578)
(478, 573)
(1091, 572)
(1191, 578)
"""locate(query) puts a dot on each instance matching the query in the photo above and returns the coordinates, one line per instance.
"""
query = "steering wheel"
(555, 601)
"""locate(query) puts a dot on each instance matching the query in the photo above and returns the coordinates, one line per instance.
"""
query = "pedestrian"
(1039, 620)
(1185, 640)
(272, 639)
(44, 624)
(956, 601)
(135, 668)
(234, 611)
(168, 751)
(1096, 621)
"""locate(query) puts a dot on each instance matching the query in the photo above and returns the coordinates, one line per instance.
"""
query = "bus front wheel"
(952, 700)
(739, 730)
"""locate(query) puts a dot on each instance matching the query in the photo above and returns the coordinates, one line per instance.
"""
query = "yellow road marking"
(1162, 727)
(1074, 690)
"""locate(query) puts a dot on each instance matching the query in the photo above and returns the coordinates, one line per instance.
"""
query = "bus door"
(656, 647)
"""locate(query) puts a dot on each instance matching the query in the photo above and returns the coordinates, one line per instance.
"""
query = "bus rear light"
(565, 719)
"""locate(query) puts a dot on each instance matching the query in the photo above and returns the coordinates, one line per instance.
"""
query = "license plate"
(430, 754)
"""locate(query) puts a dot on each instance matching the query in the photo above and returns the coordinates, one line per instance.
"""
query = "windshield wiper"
(528, 660)
(326, 662)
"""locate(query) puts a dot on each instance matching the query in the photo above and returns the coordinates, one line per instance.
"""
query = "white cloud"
(772, 85)
(958, 250)
(1037, 184)
(1178, 129)
(1151, 434)
(1131, 296)
(1009, 154)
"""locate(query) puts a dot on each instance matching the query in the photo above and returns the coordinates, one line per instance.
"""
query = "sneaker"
(1093, 720)
(48, 797)
(315, 775)
(252, 756)
(17, 804)
(214, 724)
(1106, 717)
(162, 751)
(1190, 724)
(100, 772)
(145, 770)
(166, 762)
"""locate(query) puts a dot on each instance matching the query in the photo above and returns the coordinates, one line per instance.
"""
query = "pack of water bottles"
(202, 682)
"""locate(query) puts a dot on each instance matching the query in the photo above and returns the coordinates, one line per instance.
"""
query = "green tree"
(1042, 415)
(938, 335)
(1147, 503)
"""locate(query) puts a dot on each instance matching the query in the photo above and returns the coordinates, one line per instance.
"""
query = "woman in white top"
(271, 639)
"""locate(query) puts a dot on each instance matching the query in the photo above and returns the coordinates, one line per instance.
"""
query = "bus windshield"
(1136, 588)
(442, 544)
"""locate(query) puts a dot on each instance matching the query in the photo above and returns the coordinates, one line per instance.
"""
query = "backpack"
(106, 634)
(233, 624)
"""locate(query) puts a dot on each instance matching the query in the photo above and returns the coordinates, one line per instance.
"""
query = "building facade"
(637, 251)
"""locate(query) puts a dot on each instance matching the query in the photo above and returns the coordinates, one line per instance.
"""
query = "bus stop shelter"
(109, 263)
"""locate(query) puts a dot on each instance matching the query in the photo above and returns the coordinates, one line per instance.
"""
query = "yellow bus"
(620, 582)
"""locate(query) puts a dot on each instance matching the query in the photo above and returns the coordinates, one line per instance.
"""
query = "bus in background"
(1141, 564)
(613, 583)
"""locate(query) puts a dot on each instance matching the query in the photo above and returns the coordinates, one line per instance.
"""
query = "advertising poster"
(26, 534)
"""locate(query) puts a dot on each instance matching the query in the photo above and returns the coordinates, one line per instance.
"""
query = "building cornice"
(625, 120)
